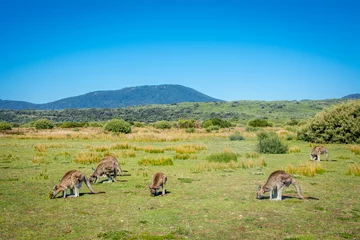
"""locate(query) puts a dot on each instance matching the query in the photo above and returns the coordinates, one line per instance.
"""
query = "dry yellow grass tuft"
(88, 157)
(309, 170)
(355, 149)
(353, 169)
(294, 149)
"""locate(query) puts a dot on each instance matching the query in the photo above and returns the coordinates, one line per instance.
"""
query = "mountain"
(131, 96)
(352, 96)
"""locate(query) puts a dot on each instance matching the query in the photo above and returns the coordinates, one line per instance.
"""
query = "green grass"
(215, 204)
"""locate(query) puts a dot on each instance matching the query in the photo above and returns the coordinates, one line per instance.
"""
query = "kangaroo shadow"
(82, 194)
(159, 193)
(289, 197)
(107, 181)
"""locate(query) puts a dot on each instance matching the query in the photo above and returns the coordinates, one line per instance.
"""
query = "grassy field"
(204, 200)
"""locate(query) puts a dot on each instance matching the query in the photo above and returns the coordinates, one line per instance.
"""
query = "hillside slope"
(131, 96)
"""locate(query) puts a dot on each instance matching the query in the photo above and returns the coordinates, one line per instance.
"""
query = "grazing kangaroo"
(276, 181)
(106, 166)
(71, 180)
(317, 151)
(158, 180)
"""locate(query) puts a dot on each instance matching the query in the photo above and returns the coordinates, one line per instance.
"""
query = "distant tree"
(43, 124)
(187, 123)
(118, 126)
(216, 122)
(259, 123)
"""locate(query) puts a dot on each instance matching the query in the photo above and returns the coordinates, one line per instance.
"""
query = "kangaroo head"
(54, 192)
(260, 193)
(152, 191)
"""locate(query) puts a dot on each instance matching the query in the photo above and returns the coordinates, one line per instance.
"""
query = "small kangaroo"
(158, 180)
(275, 183)
(107, 165)
(71, 180)
(317, 151)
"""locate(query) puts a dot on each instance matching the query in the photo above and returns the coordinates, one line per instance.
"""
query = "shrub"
(259, 123)
(236, 137)
(271, 143)
(118, 126)
(139, 124)
(5, 126)
(216, 122)
(337, 124)
(96, 124)
(190, 130)
(43, 124)
(186, 123)
(162, 125)
(212, 128)
(222, 157)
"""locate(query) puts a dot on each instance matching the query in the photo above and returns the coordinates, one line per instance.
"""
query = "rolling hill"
(131, 96)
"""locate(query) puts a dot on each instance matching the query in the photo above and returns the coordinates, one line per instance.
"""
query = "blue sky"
(231, 50)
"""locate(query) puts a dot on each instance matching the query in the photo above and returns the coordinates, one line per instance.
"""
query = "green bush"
(190, 130)
(337, 124)
(43, 124)
(236, 137)
(117, 126)
(271, 143)
(5, 126)
(259, 123)
(222, 157)
(139, 124)
(186, 123)
(162, 125)
(96, 124)
(215, 122)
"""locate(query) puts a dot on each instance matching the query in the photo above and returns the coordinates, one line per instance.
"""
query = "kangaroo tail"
(298, 189)
(87, 182)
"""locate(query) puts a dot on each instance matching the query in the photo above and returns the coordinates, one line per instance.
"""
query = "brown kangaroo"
(71, 180)
(158, 180)
(107, 166)
(275, 183)
(317, 151)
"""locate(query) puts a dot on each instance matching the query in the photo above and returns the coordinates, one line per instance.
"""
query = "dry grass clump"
(100, 148)
(128, 153)
(88, 157)
(353, 169)
(40, 147)
(163, 161)
(185, 156)
(308, 170)
(355, 149)
(38, 159)
(123, 145)
(252, 155)
(294, 149)
(250, 163)
(142, 172)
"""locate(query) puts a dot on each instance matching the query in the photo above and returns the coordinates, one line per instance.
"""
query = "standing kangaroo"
(106, 166)
(71, 180)
(317, 151)
(158, 180)
(276, 181)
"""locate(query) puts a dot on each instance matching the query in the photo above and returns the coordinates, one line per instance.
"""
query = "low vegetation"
(212, 177)
(338, 124)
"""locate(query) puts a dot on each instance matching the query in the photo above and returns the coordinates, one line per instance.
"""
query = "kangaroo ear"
(93, 169)
(259, 187)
